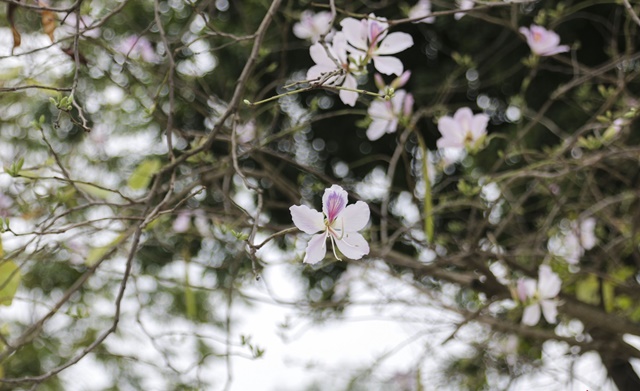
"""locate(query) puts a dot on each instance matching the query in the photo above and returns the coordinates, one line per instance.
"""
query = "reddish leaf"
(48, 22)
(16, 34)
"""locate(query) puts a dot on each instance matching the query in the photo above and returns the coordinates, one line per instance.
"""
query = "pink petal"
(319, 56)
(316, 249)
(388, 65)
(306, 219)
(549, 283)
(479, 125)
(353, 245)
(334, 201)
(531, 315)
(377, 129)
(395, 43)
(355, 217)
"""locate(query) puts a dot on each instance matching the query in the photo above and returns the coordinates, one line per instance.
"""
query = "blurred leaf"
(141, 176)
(9, 281)
(587, 290)
(48, 22)
(16, 34)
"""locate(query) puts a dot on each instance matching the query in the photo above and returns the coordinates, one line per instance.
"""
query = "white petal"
(306, 219)
(388, 65)
(531, 315)
(479, 125)
(355, 216)
(355, 32)
(549, 310)
(349, 97)
(319, 55)
(549, 283)
(316, 249)
(353, 245)
(587, 237)
(377, 129)
(395, 43)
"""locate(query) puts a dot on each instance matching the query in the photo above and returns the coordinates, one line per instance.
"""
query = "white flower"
(369, 41)
(337, 221)
(423, 7)
(542, 41)
(386, 114)
(138, 47)
(539, 296)
(460, 132)
(332, 62)
(571, 244)
(312, 26)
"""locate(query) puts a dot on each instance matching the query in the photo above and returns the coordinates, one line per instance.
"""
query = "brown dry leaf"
(16, 34)
(48, 23)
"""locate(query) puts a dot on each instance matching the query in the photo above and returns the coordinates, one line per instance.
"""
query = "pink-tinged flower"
(539, 296)
(5, 204)
(461, 131)
(422, 8)
(337, 221)
(386, 114)
(542, 41)
(68, 26)
(463, 5)
(332, 62)
(137, 47)
(369, 41)
(312, 26)
(245, 133)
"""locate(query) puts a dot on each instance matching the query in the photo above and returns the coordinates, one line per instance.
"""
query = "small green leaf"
(141, 176)
(9, 281)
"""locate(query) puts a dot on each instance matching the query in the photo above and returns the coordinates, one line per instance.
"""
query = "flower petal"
(377, 129)
(531, 315)
(395, 43)
(549, 283)
(334, 201)
(549, 310)
(353, 245)
(355, 32)
(349, 97)
(355, 216)
(388, 65)
(316, 249)
(320, 56)
(479, 125)
(306, 219)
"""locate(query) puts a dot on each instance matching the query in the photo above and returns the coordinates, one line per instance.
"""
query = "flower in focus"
(572, 244)
(386, 114)
(337, 221)
(312, 26)
(542, 41)
(423, 7)
(539, 296)
(463, 5)
(369, 40)
(333, 61)
(137, 47)
(462, 131)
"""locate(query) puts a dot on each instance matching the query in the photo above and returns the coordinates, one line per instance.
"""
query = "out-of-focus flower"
(245, 133)
(386, 114)
(542, 41)
(337, 221)
(312, 26)
(68, 26)
(138, 47)
(423, 7)
(332, 60)
(369, 40)
(463, 5)
(462, 131)
(182, 223)
(571, 245)
(539, 296)
(5, 204)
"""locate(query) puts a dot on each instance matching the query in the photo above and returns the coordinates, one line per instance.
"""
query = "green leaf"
(587, 290)
(10, 277)
(141, 176)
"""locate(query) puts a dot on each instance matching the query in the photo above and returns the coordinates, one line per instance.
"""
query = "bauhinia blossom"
(369, 40)
(542, 41)
(338, 222)
(138, 47)
(572, 244)
(385, 114)
(312, 26)
(333, 67)
(422, 8)
(539, 296)
(462, 131)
